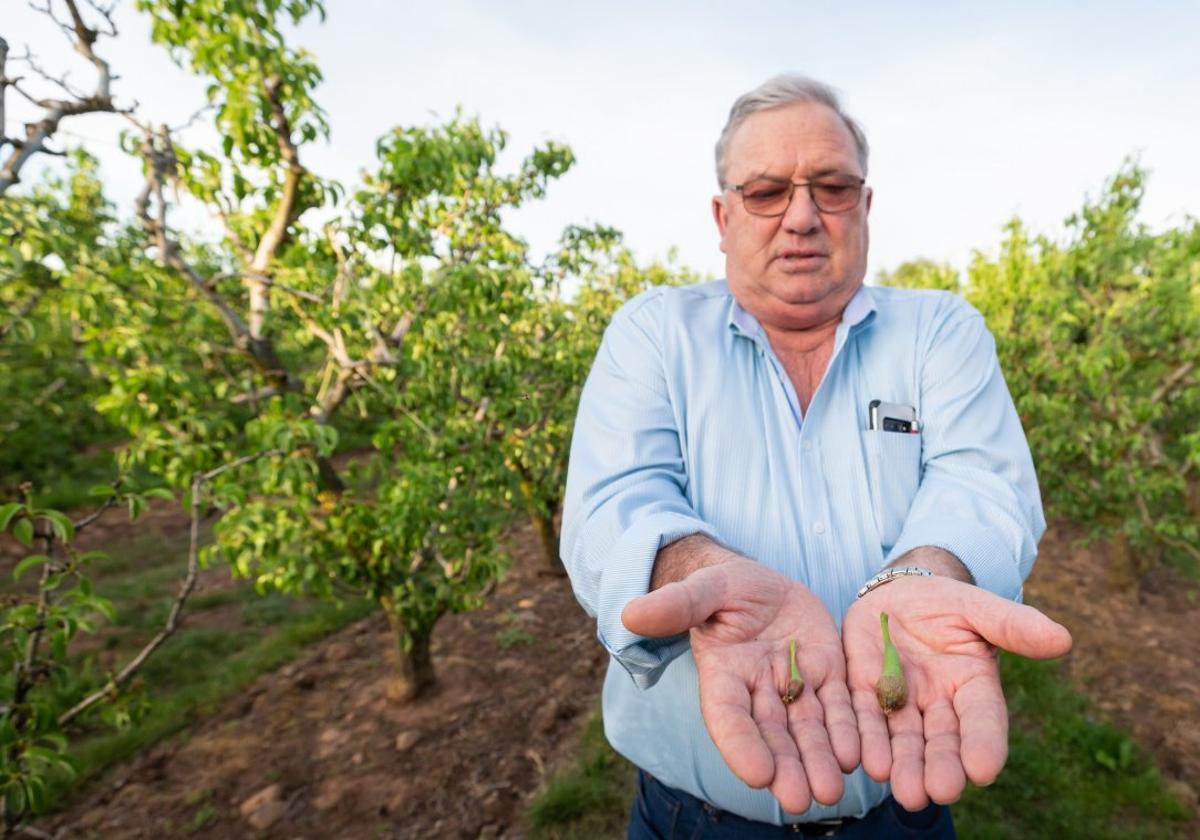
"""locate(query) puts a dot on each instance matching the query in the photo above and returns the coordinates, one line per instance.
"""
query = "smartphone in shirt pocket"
(893, 449)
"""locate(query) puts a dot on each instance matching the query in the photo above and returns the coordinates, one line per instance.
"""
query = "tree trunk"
(1122, 574)
(414, 665)
(543, 526)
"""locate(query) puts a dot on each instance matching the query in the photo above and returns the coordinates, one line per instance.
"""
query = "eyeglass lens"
(770, 197)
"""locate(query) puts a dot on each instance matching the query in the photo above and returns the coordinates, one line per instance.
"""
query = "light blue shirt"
(689, 424)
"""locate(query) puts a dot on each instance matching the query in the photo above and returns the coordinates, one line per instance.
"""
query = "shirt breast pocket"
(894, 472)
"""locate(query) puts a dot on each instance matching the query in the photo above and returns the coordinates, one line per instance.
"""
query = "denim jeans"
(663, 813)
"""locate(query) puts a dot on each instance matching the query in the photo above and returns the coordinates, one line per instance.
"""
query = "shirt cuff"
(978, 547)
(626, 576)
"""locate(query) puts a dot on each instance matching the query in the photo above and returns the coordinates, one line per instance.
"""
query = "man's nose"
(801, 215)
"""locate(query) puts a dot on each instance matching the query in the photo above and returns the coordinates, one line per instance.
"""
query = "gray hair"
(777, 92)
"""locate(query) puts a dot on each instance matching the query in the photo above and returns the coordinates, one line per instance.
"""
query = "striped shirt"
(689, 424)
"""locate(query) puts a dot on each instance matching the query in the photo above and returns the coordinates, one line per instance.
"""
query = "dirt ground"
(319, 751)
(1135, 651)
(329, 756)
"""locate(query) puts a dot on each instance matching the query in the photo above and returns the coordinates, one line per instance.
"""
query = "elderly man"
(762, 459)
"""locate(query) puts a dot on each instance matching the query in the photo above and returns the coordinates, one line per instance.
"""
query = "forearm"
(937, 560)
(676, 561)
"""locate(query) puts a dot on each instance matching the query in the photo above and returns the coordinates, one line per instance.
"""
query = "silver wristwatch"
(891, 574)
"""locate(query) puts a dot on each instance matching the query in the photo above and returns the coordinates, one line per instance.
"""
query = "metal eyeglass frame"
(738, 188)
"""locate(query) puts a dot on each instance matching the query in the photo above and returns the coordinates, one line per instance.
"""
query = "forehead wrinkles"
(798, 139)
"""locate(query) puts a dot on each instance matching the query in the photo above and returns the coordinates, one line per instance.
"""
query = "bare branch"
(110, 502)
(49, 391)
(272, 284)
(1172, 381)
(380, 355)
(158, 150)
(3, 87)
(185, 589)
(285, 212)
(25, 675)
(82, 39)
(192, 119)
(265, 393)
(57, 81)
(1149, 522)
(343, 272)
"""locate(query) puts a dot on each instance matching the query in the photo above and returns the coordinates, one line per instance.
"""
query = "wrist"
(687, 555)
(937, 560)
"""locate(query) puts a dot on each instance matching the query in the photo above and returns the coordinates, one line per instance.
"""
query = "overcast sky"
(974, 111)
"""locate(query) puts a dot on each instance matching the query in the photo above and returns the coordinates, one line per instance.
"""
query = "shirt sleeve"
(978, 496)
(626, 486)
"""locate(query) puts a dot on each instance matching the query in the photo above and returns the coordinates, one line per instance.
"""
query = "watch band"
(888, 575)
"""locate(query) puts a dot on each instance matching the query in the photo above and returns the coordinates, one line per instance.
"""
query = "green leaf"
(7, 512)
(14, 801)
(35, 790)
(23, 531)
(63, 528)
(29, 562)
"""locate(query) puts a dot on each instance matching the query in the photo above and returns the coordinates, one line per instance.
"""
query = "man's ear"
(870, 195)
(720, 216)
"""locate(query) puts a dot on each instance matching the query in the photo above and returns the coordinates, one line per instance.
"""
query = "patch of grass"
(514, 632)
(230, 636)
(201, 818)
(268, 609)
(1068, 775)
(589, 797)
(190, 676)
(512, 636)
(215, 654)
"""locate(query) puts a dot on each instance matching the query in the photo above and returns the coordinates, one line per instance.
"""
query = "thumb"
(676, 607)
(1017, 628)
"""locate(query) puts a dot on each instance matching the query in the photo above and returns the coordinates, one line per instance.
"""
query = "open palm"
(954, 726)
(741, 616)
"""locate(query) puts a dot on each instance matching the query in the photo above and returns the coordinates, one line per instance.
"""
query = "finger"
(944, 777)
(676, 607)
(790, 784)
(725, 706)
(807, 727)
(983, 718)
(840, 723)
(1015, 627)
(873, 734)
(908, 757)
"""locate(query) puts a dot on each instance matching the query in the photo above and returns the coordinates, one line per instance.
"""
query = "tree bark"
(543, 525)
(547, 535)
(414, 664)
(1122, 575)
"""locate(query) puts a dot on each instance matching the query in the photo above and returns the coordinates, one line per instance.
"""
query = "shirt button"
(819, 527)
(808, 446)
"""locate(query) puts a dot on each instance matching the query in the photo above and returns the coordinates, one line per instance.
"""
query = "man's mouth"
(800, 257)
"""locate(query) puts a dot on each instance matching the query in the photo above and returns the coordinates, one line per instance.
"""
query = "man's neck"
(803, 342)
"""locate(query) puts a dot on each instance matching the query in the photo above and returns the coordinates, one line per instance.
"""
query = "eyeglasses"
(771, 196)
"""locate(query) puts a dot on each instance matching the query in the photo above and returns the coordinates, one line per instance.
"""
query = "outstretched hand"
(954, 726)
(741, 616)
